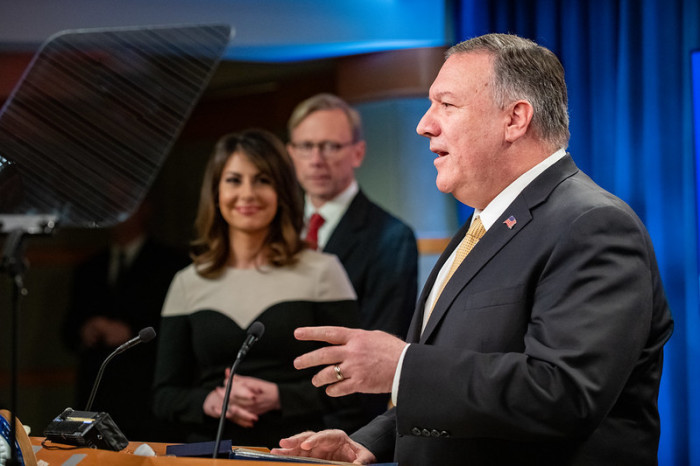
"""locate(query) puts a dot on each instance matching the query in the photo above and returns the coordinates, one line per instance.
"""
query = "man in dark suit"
(544, 345)
(377, 250)
(116, 293)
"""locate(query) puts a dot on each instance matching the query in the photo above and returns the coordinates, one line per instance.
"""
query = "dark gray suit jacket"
(380, 255)
(546, 345)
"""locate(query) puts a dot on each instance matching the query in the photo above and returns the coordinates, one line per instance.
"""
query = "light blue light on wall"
(399, 175)
(262, 30)
(398, 170)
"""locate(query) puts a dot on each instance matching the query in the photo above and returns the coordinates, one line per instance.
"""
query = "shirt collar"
(332, 212)
(334, 209)
(500, 203)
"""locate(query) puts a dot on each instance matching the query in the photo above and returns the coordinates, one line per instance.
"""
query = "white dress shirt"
(332, 211)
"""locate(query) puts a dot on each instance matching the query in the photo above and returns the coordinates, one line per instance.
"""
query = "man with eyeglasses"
(377, 250)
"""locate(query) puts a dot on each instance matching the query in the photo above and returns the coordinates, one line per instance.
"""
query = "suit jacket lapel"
(414, 329)
(343, 238)
(495, 238)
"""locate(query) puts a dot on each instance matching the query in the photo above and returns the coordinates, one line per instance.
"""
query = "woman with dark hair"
(249, 264)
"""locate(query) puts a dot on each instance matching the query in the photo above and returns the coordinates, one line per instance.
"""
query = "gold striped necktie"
(474, 234)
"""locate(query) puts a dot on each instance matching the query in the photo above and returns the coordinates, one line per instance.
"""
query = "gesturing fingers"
(338, 384)
(359, 360)
(331, 374)
(328, 334)
(320, 357)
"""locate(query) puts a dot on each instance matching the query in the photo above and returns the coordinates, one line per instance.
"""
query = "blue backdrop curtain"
(627, 66)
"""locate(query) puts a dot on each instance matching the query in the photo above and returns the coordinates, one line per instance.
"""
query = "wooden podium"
(93, 457)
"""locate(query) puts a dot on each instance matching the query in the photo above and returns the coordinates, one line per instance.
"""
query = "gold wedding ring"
(338, 374)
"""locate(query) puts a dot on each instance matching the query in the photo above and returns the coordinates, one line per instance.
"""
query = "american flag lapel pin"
(510, 222)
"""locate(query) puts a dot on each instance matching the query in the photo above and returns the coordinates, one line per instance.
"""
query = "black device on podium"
(85, 132)
(86, 429)
(92, 429)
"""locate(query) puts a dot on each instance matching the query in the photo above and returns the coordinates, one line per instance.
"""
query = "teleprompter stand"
(85, 132)
(14, 264)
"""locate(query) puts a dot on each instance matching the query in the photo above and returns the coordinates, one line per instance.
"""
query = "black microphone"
(254, 333)
(145, 335)
(88, 429)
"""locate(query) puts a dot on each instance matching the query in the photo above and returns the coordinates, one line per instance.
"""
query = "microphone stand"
(254, 333)
(97, 380)
(95, 430)
(145, 335)
(224, 407)
(13, 262)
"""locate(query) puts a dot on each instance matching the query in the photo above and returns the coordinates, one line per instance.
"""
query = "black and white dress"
(204, 324)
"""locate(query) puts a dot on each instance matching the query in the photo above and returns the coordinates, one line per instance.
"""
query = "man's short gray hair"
(523, 70)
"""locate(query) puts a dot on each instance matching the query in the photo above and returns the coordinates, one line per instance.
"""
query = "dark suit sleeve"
(379, 436)
(586, 306)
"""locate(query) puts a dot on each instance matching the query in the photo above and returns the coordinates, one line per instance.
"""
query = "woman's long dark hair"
(211, 249)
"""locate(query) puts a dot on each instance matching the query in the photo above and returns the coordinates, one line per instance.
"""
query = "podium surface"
(67, 454)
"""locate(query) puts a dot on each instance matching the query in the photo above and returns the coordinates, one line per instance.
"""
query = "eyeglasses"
(326, 148)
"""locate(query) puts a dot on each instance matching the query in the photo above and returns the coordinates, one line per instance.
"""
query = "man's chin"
(319, 196)
(442, 186)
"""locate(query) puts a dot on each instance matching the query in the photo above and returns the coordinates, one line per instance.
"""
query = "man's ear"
(519, 118)
(359, 149)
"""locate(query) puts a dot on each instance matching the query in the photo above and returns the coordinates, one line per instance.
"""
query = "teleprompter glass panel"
(86, 130)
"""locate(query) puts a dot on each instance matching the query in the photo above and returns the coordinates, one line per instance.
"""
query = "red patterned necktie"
(315, 223)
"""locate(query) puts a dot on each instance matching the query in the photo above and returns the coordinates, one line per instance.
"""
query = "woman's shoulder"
(318, 259)
(189, 279)
(188, 273)
(329, 274)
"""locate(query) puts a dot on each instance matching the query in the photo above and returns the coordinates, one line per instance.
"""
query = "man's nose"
(316, 156)
(426, 126)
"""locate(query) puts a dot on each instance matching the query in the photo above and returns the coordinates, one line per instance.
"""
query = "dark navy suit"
(380, 255)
